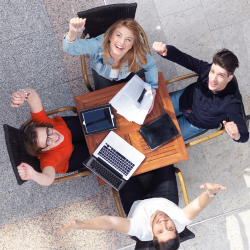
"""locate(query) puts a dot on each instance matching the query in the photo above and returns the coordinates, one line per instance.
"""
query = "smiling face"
(163, 228)
(54, 139)
(121, 41)
(218, 78)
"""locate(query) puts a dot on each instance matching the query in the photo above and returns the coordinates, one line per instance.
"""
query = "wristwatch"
(210, 196)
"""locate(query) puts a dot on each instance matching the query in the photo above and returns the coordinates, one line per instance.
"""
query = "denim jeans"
(187, 129)
(80, 152)
(163, 185)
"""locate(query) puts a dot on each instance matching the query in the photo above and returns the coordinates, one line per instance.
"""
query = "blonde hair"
(138, 49)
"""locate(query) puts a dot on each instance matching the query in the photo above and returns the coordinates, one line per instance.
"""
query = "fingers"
(17, 99)
(232, 130)
(77, 24)
(160, 48)
(68, 226)
(22, 172)
(212, 186)
(25, 171)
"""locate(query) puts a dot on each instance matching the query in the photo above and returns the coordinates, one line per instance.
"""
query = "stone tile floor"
(32, 56)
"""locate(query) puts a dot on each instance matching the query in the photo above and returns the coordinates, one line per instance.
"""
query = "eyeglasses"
(49, 140)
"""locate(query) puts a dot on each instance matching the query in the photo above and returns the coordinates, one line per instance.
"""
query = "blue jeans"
(162, 185)
(187, 129)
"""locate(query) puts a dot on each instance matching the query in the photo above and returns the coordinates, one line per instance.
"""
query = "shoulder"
(40, 117)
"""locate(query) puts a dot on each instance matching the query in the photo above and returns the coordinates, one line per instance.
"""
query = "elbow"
(110, 222)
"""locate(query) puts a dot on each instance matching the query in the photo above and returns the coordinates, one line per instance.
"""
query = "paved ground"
(32, 56)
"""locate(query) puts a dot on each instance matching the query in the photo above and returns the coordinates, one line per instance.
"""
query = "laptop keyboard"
(115, 159)
(105, 174)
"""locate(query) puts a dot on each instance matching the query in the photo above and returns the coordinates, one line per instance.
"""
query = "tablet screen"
(98, 119)
(160, 131)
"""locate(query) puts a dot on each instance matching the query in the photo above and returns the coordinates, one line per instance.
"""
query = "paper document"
(133, 100)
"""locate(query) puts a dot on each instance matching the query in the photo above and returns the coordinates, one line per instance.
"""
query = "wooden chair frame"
(183, 187)
(83, 62)
(52, 112)
(206, 138)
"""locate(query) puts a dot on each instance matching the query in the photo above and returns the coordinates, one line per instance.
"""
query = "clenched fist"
(232, 130)
(17, 99)
(76, 25)
(160, 48)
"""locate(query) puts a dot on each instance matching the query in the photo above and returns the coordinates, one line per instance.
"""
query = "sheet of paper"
(133, 100)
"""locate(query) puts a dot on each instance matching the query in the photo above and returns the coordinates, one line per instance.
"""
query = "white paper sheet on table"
(126, 100)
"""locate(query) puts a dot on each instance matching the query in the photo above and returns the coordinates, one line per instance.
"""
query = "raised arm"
(235, 123)
(196, 206)
(45, 178)
(76, 25)
(105, 222)
(30, 96)
(173, 54)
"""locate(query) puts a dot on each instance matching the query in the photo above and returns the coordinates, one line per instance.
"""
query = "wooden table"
(170, 153)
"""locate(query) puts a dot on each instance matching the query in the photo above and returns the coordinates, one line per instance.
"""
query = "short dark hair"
(172, 244)
(227, 60)
(30, 138)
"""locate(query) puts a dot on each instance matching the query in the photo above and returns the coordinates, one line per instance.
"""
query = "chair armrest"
(72, 176)
(67, 108)
(206, 138)
(117, 203)
(183, 186)
(84, 68)
(178, 78)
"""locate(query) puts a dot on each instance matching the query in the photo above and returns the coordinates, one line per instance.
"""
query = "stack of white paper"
(133, 101)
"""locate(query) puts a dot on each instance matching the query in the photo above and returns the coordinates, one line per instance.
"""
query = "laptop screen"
(98, 119)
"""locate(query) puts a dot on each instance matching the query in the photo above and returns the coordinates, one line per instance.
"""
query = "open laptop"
(115, 160)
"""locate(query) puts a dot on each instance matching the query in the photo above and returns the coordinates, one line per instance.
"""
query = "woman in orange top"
(50, 140)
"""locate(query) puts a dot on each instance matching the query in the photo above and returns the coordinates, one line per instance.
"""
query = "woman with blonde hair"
(115, 54)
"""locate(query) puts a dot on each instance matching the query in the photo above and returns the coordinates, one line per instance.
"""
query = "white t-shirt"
(114, 73)
(141, 212)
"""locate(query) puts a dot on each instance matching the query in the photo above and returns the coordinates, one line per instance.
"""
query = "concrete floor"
(32, 56)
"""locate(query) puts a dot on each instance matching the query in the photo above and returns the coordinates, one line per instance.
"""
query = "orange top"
(57, 157)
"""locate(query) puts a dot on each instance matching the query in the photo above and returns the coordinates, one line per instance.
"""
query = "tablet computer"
(158, 131)
(97, 120)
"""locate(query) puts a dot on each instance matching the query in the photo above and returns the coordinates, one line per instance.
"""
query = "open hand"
(26, 172)
(232, 130)
(160, 48)
(70, 225)
(212, 188)
(17, 99)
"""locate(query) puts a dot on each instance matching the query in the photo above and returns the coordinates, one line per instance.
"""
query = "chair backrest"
(15, 145)
(99, 19)
(186, 234)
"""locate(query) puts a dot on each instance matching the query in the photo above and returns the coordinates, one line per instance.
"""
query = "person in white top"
(158, 219)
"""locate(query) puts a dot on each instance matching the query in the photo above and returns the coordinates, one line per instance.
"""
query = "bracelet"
(210, 196)
(25, 93)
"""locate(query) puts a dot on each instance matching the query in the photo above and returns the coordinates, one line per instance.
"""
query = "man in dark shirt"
(214, 98)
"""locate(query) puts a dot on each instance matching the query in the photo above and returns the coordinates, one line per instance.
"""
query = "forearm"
(151, 72)
(33, 100)
(98, 223)
(196, 206)
(43, 179)
(104, 223)
(185, 60)
(71, 36)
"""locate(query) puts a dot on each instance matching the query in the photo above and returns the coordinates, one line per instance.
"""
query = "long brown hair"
(30, 138)
(138, 49)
